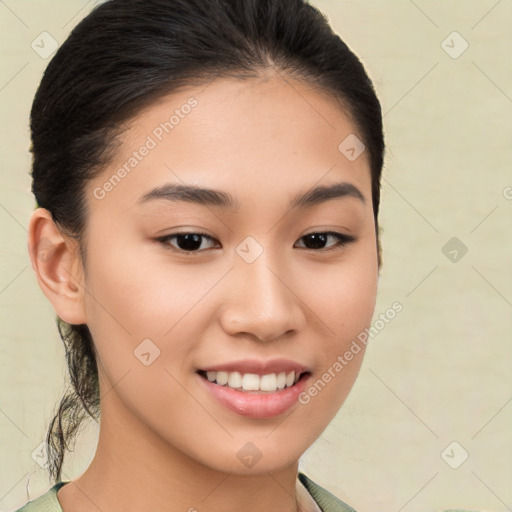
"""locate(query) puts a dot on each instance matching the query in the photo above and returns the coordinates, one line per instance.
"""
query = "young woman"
(207, 175)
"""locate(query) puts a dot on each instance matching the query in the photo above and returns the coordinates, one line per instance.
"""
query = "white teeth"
(268, 382)
(252, 381)
(221, 378)
(235, 380)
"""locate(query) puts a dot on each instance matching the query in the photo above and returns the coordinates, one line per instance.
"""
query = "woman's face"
(254, 293)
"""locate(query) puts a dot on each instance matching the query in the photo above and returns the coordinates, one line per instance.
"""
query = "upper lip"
(258, 367)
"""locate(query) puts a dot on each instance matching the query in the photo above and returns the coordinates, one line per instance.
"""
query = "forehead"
(269, 133)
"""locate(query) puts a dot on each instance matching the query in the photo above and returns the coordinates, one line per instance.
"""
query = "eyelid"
(329, 232)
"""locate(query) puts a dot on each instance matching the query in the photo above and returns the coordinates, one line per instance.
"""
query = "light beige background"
(441, 370)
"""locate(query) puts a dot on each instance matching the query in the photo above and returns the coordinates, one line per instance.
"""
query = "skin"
(164, 444)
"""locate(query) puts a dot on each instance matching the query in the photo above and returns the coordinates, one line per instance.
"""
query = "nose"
(260, 302)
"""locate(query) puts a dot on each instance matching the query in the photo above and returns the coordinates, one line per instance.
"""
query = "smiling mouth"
(252, 382)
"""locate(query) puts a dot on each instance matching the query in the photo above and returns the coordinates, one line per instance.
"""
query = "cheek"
(342, 302)
(342, 299)
(342, 296)
(139, 295)
(142, 290)
(137, 311)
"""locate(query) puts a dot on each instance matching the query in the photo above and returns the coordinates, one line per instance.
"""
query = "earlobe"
(58, 267)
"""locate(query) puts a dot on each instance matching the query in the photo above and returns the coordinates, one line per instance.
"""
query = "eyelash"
(342, 241)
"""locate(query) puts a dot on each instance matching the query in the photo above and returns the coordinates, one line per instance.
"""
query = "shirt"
(325, 501)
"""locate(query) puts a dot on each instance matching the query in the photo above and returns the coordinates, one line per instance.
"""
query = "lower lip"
(256, 404)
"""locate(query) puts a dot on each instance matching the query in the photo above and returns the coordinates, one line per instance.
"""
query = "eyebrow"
(211, 197)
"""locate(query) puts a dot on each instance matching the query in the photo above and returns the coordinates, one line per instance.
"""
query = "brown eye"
(325, 240)
(188, 242)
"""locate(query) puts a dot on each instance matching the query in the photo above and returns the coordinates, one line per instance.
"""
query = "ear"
(56, 261)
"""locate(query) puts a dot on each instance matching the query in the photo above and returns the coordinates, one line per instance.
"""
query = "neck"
(134, 469)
